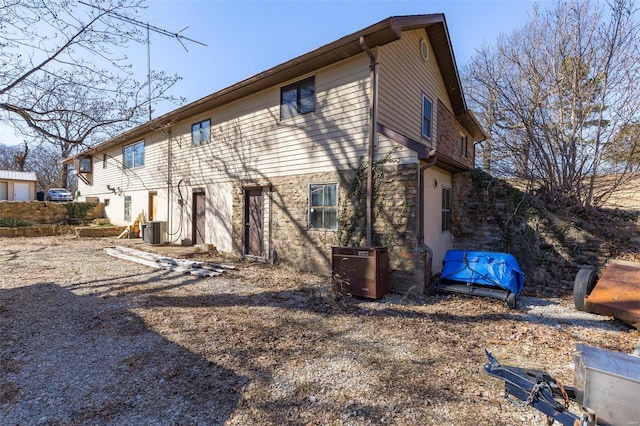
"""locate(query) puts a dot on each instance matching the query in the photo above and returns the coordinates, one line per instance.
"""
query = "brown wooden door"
(198, 218)
(253, 214)
(153, 206)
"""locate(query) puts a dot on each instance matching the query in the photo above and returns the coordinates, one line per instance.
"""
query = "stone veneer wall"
(42, 212)
(294, 245)
(53, 230)
(485, 219)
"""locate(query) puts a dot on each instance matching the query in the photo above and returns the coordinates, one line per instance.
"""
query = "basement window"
(323, 206)
(298, 98)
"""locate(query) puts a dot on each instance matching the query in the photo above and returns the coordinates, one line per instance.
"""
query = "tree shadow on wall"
(237, 152)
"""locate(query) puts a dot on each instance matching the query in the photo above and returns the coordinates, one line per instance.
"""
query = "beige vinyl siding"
(403, 78)
(249, 140)
(402, 154)
(136, 182)
(148, 177)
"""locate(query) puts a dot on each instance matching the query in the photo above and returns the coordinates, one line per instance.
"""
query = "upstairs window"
(463, 146)
(446, 209)
(426, 116)
(134, 155)
(85, 165)
(201, 132)
(298, 98)
(323, 206)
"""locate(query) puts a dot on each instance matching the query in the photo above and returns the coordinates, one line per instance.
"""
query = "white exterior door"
(435, 236)
(4, 195)
(21, 191)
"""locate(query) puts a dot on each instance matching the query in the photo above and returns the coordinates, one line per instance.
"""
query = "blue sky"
(245, 37)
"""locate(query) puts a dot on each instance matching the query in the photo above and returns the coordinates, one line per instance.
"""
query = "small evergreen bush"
(12, 222)
(79, 210)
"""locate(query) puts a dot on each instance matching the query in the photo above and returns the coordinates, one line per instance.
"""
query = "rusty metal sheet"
(617, 292)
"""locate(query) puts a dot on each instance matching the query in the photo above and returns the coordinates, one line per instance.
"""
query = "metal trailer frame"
(607, 385)
(616, 293)
(537, 389)
(470, 289)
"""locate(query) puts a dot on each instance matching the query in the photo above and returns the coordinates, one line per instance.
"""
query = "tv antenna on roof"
(178, 36)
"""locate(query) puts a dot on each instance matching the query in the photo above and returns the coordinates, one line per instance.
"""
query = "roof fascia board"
(381, 33)
(377, 34)
(421, 150)
(469, 121)
(449, 164)
(439, 36)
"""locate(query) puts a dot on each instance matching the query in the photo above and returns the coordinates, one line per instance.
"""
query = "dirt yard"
(90, 339)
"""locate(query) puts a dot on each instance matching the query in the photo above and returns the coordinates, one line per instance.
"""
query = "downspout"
(168, 185)
(431, 161)
(373, 124)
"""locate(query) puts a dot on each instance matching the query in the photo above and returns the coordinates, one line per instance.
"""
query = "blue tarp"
(483, 268)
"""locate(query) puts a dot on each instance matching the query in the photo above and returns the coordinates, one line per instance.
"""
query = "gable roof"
(15, 175)
(379, 34)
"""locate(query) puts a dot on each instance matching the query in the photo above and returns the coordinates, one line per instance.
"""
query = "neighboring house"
(265, 168)
(17, 186)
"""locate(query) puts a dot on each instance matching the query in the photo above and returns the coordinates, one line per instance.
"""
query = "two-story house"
(276, 167)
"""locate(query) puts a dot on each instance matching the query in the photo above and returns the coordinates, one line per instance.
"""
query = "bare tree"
(21, 157)
(14, 157)
(45, 161)
(8, 157)
(64, 74)
(555, 95)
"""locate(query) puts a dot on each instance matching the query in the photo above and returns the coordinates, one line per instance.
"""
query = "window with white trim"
(323, 206)
(133, 155)
(201, 132)
(427, 116)
(127, 208)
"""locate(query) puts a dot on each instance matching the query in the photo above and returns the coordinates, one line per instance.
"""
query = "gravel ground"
(89, 339)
